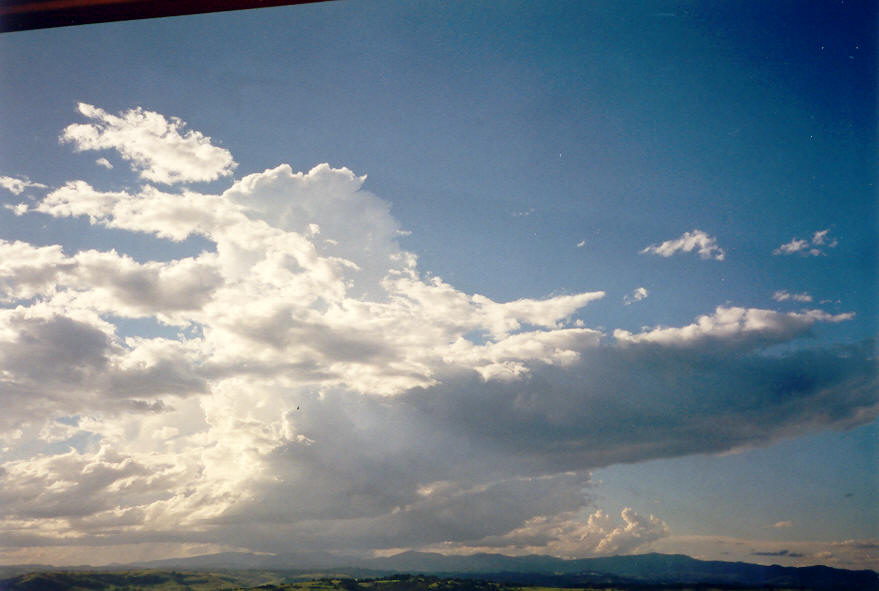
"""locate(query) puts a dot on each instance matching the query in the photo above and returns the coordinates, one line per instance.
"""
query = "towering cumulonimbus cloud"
(303, 383)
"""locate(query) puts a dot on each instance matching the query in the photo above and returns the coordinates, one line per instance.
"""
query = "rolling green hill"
(138, 580)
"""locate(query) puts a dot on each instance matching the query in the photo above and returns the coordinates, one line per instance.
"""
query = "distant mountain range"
(664, 569)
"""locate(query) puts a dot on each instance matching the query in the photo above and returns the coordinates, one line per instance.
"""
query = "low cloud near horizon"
(322, 392)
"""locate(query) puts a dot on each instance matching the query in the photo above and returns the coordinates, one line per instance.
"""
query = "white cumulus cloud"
(571, 535)
(158, 148)
(697, 240)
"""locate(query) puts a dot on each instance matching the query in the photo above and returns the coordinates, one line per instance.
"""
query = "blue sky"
(580, 182)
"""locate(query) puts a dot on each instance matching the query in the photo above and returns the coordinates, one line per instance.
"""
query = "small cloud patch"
(639, 294)
(17, 186)
(784, 295)
(786, 553)
(814, 247)
(696, 240)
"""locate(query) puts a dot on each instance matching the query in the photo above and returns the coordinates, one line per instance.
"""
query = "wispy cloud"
(784, 552)
(815, 247)
(697, 240)
(782, 524)
(734, 327)
(784, 295)
(17, 185)
(640, 293)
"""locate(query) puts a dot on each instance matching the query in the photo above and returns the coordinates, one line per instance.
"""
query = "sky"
(567, 278)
